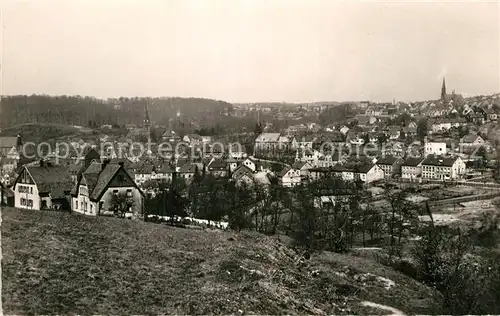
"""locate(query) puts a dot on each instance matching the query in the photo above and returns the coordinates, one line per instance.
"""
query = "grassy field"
(69, 264)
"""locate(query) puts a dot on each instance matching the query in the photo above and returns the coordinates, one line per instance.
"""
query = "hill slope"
(65, 263)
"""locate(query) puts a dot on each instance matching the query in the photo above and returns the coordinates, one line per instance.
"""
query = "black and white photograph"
(249, 157)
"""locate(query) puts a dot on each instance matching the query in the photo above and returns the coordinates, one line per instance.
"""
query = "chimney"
(104, 164)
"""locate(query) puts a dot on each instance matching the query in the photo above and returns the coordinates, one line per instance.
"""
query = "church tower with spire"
(146, 123)
(443, 91)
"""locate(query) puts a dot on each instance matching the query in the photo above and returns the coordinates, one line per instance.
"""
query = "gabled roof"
(52, 180)
(299, 164)
(8, 141)
(103, 180)
(439, 161)
(413, 161)
(146, 168)
(217, 165)
(90, 179)
(241, 171)
(284, 171)
(268, 137)
(188, 168)
(470, 138)
(75, 168)
(364, 168)
(166, 168)
(94, 167)
(194, 136)
(387, 160)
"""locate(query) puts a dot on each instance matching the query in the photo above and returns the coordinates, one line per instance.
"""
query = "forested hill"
(85, 111)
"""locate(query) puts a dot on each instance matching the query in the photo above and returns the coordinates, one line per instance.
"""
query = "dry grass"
(69, 264)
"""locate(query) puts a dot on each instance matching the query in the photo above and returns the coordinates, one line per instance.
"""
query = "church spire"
(443, 90)
(146, 121)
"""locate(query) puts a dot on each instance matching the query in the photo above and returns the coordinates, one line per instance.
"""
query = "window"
(30, 203)
(31, 190)
(100, 205)
(76, 205)
(115, 192)
(129, 192)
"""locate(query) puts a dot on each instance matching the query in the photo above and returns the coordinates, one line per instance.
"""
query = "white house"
(303, 168)
(42, 187)
(412, 168)
(344, 129)
(443, 168)
(94, 192)
(369, 173)
(434, 148)
(250, 164)
(289, 177)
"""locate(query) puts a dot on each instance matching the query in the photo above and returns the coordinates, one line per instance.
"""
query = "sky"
(250, 50)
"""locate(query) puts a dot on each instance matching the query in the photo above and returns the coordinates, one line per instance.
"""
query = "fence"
(462, 199)
(448, 182)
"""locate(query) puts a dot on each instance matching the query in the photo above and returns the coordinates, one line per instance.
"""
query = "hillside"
(89, 111)
(63, 263)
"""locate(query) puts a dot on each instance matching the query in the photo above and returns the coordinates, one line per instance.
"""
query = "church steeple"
(443, 91)
(146, 122)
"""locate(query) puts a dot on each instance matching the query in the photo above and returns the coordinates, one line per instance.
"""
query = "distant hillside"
(55, 263)
(89, 111)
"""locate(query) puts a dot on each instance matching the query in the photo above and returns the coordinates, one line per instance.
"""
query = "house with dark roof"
(443, 168)
(412, 168)
(475, 117)
(243, 174)
(390, 164)
(41, 187)
(10, 146)
(94, 193)
(320, 172)
(303, 167)
(164, 173)
(218, 168)
(143, 173)
(171, 137)
(471, 140)
(188, 170)
(365, 172)
(491, 114)
(289, 177)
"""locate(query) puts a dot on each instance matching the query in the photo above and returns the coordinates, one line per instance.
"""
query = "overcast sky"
(248, 51)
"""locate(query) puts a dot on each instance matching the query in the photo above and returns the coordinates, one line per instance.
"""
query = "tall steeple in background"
(146, 123)
(443, 91)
